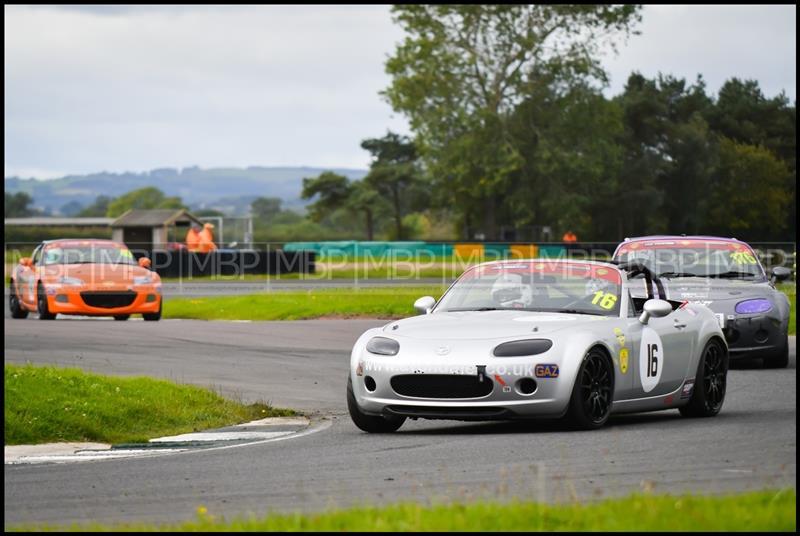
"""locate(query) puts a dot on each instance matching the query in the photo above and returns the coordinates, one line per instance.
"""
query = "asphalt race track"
(750, 445)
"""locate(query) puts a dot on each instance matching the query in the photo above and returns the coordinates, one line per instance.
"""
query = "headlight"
(759, 305)
(70, 281)
(520, 348)
(143, 280)
(383, 346)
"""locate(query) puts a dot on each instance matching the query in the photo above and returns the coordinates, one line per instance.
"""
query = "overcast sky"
(134, 88)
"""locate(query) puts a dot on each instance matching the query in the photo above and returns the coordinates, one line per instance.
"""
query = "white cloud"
(91, 88)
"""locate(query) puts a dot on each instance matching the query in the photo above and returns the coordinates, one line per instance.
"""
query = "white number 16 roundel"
(651, 359)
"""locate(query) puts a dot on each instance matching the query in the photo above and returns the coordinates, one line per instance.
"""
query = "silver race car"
(726, 275)
(540, 338)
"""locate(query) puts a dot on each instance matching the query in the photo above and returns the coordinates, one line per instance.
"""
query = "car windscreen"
(694, 258)
(549, 286)
(69, 253)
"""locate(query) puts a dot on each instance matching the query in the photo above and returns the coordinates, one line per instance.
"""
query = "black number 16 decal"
(652, 360)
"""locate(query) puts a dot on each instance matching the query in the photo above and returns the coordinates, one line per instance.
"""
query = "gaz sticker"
(651, 359)
(623, 360)
(721, 320)
(546, 371)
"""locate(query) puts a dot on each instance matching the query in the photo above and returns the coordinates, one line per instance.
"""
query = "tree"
(393, 173)
(265, 209)
(331, 190)
(334, 192)
(749, 197)
(98, 208)
(742, 113)
(463, 69)
(143, 198)
(18, 205)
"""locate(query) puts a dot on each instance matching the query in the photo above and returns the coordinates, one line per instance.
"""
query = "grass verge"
(790, 289)
(52, 404)
(387, 302)
(755, 511)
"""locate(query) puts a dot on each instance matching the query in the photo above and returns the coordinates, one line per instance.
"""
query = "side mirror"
(26, 261)
(424, 305)
(781, 273)
(144, 262)
(655, 309)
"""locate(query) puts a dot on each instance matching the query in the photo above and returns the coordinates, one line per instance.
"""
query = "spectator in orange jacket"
(193, 238)
(207, 239)
(569, 237)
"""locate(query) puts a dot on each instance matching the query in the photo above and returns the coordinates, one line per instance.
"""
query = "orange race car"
(84, 277)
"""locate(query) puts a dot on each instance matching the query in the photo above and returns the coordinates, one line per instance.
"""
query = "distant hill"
(227, 189)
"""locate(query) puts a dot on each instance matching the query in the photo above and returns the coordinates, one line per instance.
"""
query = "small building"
(149, 230)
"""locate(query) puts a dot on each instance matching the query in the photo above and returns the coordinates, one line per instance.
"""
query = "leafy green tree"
(742, 113)
(749, 197)
(463, 69)
(143, 198)
(669, 155)
(18, 205)
(98, 208)
(265, 209)
(331, 191)
(394, 175)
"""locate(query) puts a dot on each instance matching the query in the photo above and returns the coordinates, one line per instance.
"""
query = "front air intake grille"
(441, 386)
(108, 300)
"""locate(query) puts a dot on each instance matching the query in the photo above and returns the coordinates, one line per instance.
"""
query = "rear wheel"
(370, 423)
(41, 304)
(710, 382)
(592, 395)
(121, 317)
(14, 305)
(152, 317)
(780, 359)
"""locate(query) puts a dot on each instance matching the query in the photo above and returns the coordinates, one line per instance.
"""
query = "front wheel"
(710, 382)
(14, 305)
(370, 423)
(592, 395)
(152, 317)
(41, 304)
(779, 360)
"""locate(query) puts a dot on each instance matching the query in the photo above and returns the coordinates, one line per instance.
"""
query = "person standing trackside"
(193, 238)
(569, 240)
(207, 239)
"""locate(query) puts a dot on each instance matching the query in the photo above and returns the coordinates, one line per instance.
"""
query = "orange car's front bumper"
(105, 302)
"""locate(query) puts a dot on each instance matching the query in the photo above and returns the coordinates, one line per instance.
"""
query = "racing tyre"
(152, 317)
(779, 360)
(121, 317)
(41, 304)
(592, 395)
(710, 382)
(370, 423)
(13, 303)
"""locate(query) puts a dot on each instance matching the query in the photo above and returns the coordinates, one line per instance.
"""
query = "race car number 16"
(651, 360)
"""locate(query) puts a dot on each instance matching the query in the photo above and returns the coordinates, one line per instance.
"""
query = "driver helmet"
(508, 290)
(595, 284)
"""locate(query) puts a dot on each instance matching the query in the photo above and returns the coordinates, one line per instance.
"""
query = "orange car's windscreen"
(88, 253)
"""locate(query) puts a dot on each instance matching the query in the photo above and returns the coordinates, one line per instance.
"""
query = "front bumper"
(146, 299)
(753, 336)
(377, 394)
